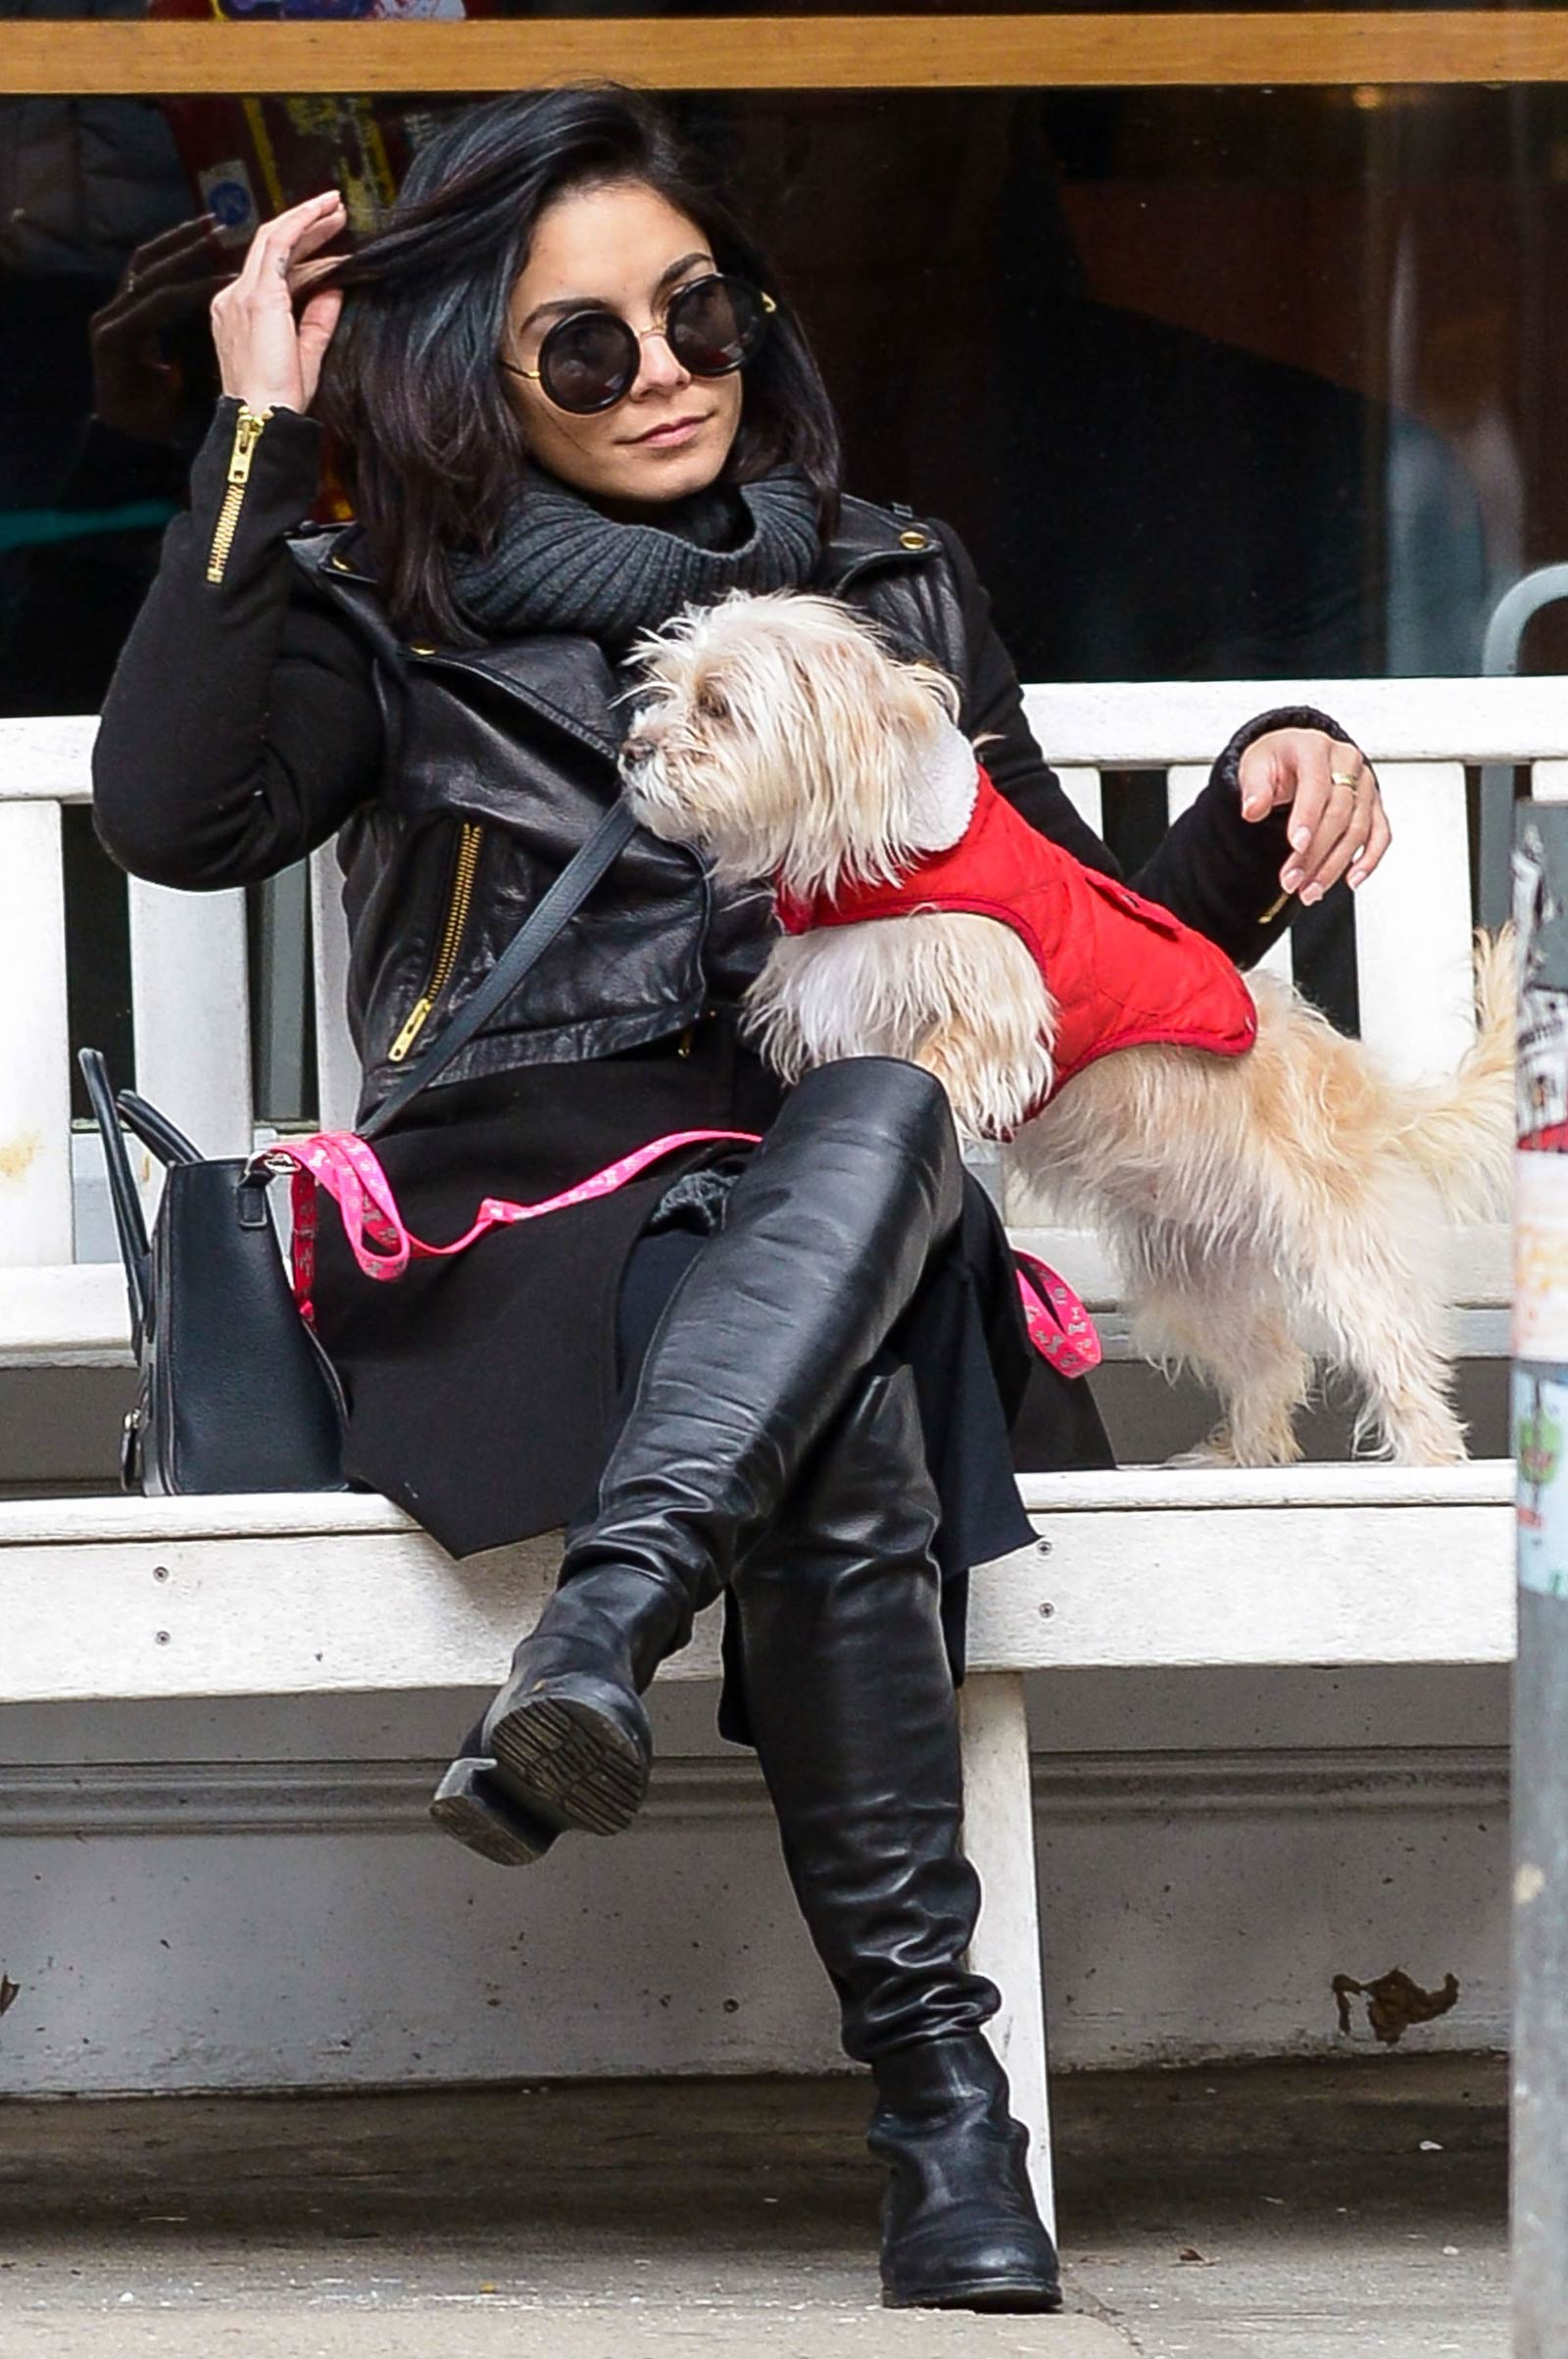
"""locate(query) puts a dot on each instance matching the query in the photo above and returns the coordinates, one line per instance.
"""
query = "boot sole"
(1014, 2296)
(472, 1807)
(570, 1765)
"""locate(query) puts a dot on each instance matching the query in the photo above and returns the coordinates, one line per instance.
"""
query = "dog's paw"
(1216, 1449)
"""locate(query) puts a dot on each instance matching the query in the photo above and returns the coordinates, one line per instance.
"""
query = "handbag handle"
(155, 1130)
(527, 946)
(129, 1226)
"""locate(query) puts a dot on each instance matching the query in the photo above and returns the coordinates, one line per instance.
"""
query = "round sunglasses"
(590, 360)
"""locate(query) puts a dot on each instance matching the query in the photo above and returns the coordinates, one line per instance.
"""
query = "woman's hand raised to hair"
(268, 353)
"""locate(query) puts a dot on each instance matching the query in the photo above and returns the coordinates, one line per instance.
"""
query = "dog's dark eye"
(711, 704)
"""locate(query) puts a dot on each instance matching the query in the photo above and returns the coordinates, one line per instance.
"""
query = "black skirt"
(483, 1391)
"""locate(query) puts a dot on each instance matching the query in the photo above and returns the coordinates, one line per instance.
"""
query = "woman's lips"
(679, 429)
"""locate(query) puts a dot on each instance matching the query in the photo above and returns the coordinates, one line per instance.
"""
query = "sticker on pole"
(1540, 918)
(1540, 1451)
(1540, 1258)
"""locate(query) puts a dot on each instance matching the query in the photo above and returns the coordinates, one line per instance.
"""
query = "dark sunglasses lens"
(715, 325)
(588, 362)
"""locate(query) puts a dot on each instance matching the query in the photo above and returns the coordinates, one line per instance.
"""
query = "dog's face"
(774, 736)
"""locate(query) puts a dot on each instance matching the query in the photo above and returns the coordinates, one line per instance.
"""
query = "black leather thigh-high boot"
(855, 1719)
(825, 1238)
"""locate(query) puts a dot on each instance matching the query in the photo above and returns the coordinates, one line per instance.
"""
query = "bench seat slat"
(135, 1597)
(1478, 1271)
(74, 1316)
(112, 1520)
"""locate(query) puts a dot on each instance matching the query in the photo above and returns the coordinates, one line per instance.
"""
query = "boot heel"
(472, 1807)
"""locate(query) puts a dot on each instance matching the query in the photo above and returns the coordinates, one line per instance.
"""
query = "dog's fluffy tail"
(1462, 1132)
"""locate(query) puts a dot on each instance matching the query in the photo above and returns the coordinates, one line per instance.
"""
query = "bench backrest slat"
(1184, 783)
(35, 1219)
(1414, 963)
(336, 1064)
(1084, 792)
(1133, 725)
(192, 1012)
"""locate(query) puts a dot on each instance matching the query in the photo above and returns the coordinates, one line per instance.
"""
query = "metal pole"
(1511, 617)
(1540, 1679)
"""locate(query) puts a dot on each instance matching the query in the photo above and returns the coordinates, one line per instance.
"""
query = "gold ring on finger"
(1344, 777)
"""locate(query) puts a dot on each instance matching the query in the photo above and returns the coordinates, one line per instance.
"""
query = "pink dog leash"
(382, 1243)
(1060, 1327)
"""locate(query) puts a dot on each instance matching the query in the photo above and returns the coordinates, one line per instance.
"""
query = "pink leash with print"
(350, 1170)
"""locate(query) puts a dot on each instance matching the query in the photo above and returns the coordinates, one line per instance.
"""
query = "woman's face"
(625, 248)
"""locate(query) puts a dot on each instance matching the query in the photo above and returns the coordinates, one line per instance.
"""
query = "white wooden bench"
(114, 1599)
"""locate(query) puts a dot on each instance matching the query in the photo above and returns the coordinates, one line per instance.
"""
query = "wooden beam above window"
(1327, 47)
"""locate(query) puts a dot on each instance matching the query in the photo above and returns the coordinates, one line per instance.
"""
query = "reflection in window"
(1214, 384)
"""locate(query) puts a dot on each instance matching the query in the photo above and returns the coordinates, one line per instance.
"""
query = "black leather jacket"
(500, 761)
(262, 703)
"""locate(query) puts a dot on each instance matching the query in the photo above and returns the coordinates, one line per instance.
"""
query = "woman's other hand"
(1338, 824)
(266, 355)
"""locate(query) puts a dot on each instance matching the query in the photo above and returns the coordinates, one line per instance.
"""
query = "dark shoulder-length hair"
(429, 443)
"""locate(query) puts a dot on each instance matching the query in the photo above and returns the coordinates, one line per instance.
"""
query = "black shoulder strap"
(527, 946)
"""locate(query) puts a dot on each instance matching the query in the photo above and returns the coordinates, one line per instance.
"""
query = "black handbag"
(234, 1391)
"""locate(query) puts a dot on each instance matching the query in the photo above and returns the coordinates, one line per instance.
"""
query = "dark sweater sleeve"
(1213, 869)
(993, 708)
(1220, 873)
(242, 723)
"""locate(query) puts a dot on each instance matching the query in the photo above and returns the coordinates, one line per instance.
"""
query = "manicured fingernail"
(1312, 894)
(1300, 837)
(1358, 876)
(1290, 878)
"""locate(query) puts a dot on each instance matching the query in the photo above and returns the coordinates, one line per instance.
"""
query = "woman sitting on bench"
(570, 398)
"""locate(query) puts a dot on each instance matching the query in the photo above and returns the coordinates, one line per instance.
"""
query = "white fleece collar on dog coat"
(940, 790)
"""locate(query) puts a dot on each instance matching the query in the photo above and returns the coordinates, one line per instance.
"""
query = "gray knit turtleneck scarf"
(561, 564)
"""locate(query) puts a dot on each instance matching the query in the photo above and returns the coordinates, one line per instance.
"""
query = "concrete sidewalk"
(1279, 2213)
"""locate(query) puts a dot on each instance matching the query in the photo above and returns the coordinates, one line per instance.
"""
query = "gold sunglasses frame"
(642, 335)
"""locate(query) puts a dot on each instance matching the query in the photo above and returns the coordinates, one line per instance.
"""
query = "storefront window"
(1228, 383)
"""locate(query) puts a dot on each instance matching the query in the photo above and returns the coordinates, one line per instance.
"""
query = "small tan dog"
(1246, 1195)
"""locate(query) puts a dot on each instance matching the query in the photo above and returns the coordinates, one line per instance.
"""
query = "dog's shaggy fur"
(1247, 1200)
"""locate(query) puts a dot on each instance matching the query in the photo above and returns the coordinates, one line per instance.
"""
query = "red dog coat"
(1121, 971)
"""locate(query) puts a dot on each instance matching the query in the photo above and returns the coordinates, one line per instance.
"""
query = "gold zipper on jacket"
(469, 837)
(247, 434)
